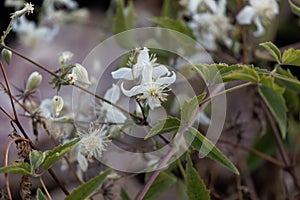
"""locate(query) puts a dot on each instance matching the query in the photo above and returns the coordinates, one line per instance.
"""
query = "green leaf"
(176, 25)
(17, 168)
(164, 126)
(54, 155)
(269, 46)
(291, 57)
(295, 9)
(188, 110)
(196, 188)
(203, 145)
(36, 159)
(87, 189)
(161, 184)
(287, 80)
(124, 195)
(124, 21)
(40, 195)
(273, 97)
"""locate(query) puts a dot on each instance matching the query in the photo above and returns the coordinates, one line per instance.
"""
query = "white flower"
(80, 74)
(211, 25)
(112, 114)
(92, 144)
(28, 8)
(34, 81)
(143, 61)
(194, 5)
(259, 12)
(65, 56)
(30, 34)
(152, 89)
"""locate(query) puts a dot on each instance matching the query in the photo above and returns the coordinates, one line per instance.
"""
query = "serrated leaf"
(40, 195)
(291, 57)
(206, 147)
(196, 189)
(124, 21)
(57, 153)
(176, 25)
(273, 97)
(275, 52)
(124, 195)
(161, 184)
(87, 189)
(286, 79)
(36, 159)
(17, 168)
(295, 9)
(188, 110)
(164, 126)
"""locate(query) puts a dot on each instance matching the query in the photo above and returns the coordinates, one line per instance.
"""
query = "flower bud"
(57, 105)
(6, 55)
(65, 56)
(28, 8)
(81, 74)
(34, 81)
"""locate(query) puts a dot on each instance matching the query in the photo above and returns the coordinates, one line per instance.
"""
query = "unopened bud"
(6, 55)
(34, 81)
(28, 8)
(57, 105)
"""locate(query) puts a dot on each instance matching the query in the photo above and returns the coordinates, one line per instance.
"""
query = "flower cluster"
(151, 78)
(258, 12)
(208, 22)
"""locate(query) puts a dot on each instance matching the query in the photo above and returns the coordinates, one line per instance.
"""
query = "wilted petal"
(122, 73)
(246, 15)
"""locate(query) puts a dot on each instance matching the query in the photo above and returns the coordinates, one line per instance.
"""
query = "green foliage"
(87, 189)
(272, 94)
(271, 48)
(295, 9)
(36, 159)
(164, 126)
(161, 184)
(17, 168)
(124, 195)
(61, 79)
(40, 195)
(176, 25)
(52, 156)
(189, 110)
(286, 79)
(196, 188)
(124, 21)
(206, 147)
(291, 57)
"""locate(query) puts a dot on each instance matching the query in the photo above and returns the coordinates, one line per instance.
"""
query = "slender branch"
(6, 161)
(75, 85)
(7, 113)
(254, 152)
(45, 188)
(61, 185)
(173, 150)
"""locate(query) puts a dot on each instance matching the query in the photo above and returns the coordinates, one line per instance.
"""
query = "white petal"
(212, 6)
(159, 71)
(133, 91)
(115, 116)
(124, 73)
(167, 80)
(83, 164)
(112, 94)
(246, 15)
(81, 74)
(193, 5)
(143, 56)
(259, 28)
(147, 74)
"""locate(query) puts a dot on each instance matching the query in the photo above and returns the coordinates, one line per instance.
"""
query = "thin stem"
(6, 162)
(226, 91)
(75, 85)
(45, 189)
(7, 113)
(254, 152)
(288, 167)
(61, 185)
(181, 170)
(173, 150)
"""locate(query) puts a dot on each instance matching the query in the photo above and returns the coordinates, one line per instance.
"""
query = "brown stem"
(7, 113)
(296, 149)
